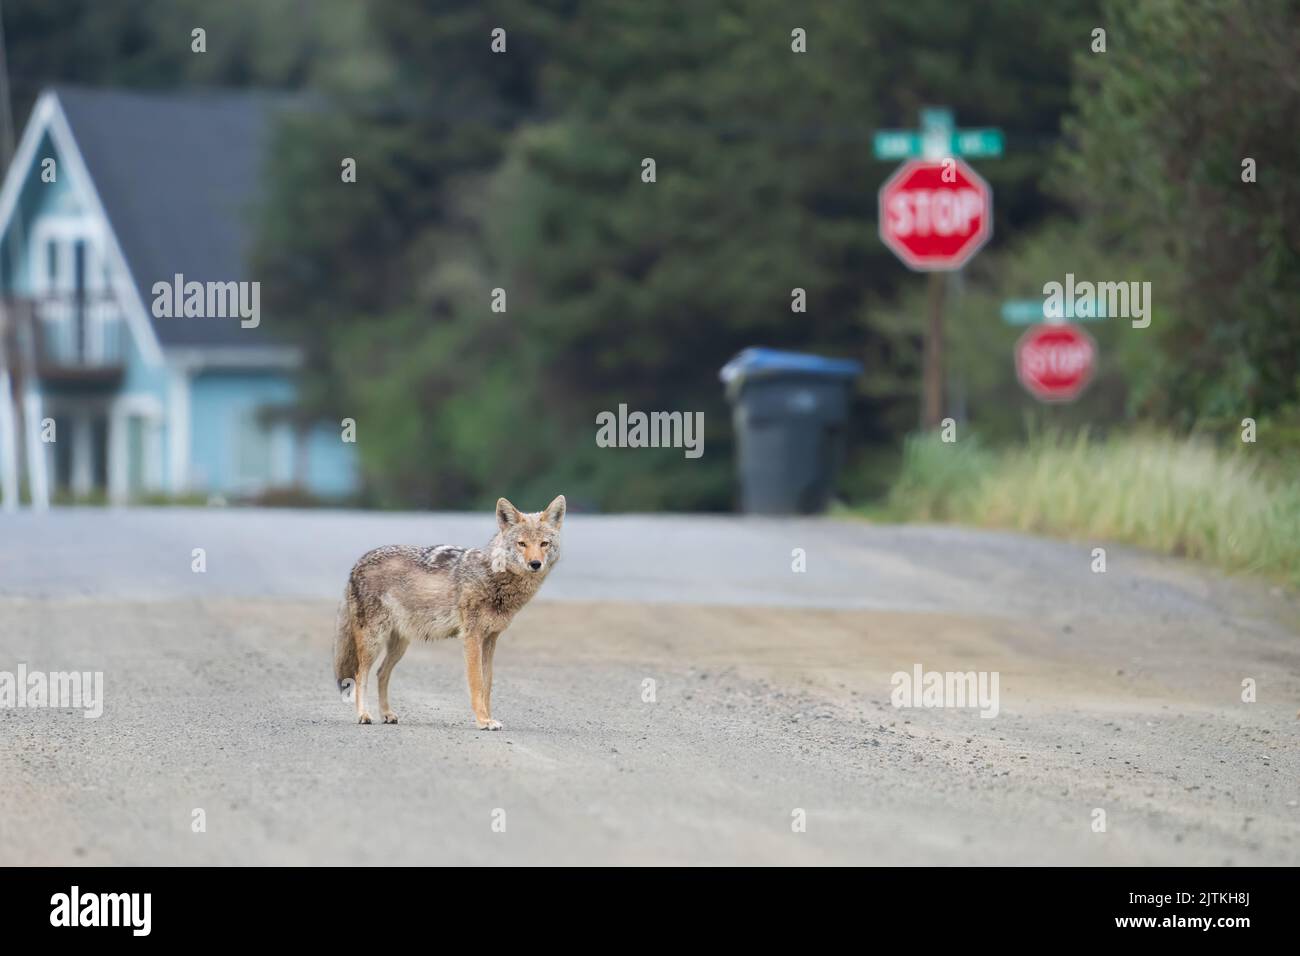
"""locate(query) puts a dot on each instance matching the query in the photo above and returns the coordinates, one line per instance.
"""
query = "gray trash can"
(789, 412)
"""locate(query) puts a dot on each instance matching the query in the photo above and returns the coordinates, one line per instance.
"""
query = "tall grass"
(1177, 496)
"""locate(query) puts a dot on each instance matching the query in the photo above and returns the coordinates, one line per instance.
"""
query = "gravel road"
(1119, 692)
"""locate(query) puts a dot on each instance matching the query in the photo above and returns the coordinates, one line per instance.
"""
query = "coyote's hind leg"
(397, 646)
(365, 657)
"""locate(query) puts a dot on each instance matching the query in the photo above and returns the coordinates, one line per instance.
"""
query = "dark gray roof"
(179, 176)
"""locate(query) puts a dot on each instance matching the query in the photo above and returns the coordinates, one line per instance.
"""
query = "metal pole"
(8, 419)
(8, 426)
(24, 333)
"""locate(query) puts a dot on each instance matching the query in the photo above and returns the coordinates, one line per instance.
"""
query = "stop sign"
(1055, 362)
(935, 214)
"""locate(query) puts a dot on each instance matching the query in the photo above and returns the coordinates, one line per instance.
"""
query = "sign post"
(935, 213)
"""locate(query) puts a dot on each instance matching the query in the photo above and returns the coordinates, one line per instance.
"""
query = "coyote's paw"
(364, 719)
(390, 718)
(488, 724)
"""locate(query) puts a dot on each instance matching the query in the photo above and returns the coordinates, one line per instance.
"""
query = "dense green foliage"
(1188, 91)
(147, 44)
(1151, 167)
(521, 171)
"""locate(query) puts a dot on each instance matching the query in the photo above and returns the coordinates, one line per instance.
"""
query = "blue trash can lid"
(758, 363)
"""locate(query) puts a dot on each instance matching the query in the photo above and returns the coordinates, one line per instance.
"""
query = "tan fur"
(397, 594)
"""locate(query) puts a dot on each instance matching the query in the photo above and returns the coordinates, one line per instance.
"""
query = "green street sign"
(937, 139)
(1033, 311)
(978, 142)
(1022, 311)
(896, 144)
(936, 117)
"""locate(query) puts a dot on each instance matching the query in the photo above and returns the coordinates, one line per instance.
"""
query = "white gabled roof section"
(37, 123)
(48, 116)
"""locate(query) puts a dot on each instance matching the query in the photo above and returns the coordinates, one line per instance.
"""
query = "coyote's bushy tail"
(345, 649)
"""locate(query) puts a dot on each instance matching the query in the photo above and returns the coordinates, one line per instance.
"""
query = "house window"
(65, 255)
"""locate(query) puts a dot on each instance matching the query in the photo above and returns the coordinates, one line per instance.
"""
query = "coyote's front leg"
(489, 651)
(474, 673)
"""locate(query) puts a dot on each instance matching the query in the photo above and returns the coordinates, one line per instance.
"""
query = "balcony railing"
(78, 334)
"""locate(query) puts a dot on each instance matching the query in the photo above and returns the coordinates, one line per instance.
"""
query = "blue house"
(134, 357)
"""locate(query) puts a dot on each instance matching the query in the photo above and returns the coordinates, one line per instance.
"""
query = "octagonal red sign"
(1055, 362)
(935, 214)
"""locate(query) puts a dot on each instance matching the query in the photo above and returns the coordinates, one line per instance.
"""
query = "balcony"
(78, 337)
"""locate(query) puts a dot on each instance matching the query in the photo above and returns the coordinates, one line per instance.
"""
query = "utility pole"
(8, 420)
(8, 424)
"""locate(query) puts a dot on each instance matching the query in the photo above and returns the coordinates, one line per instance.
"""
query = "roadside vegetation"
(1180, 496)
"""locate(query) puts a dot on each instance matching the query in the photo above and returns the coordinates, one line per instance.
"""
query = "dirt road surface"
(677, 694)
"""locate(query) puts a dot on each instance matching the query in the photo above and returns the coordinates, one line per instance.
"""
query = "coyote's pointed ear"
(554, 513)
(507, 514)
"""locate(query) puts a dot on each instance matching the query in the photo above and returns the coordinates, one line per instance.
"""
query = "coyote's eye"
(546, 544)
(522, 544)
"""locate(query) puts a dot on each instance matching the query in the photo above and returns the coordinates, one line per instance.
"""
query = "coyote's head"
(527, 543)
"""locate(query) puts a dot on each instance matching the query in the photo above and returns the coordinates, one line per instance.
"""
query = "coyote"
(398, 593)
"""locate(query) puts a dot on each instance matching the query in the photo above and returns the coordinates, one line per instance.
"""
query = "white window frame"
(64, 231)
